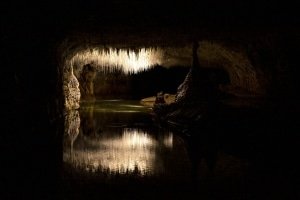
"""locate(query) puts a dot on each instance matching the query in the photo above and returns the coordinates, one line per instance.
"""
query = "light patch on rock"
(71, 90)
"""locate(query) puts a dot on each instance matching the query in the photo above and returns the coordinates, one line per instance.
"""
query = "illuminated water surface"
(116, 137)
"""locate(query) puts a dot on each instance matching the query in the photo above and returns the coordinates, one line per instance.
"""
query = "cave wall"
(243, 75)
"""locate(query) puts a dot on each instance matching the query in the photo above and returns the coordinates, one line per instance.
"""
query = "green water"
(115, 105)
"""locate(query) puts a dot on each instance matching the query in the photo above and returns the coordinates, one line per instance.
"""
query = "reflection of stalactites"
(72, 125)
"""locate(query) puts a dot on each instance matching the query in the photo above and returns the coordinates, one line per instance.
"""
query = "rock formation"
(71, 90)
(86, 80)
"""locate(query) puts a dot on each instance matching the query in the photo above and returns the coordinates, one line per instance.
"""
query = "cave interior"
(60, 55)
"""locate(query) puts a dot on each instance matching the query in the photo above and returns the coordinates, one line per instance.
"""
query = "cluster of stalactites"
(112, 59)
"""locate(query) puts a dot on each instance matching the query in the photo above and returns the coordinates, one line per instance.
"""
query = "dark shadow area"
(158, 79)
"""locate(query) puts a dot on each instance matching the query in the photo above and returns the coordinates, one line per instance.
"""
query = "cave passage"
(110, 135)
(113, 140)
(82, 119)
(106, 72)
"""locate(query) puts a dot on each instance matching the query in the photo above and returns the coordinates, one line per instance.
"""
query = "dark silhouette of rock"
(160, 99)
(86, 80)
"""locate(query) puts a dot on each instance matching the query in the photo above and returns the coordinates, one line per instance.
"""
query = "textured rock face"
(243, 75)
(71, 90)
(200, 83)
(183, 88)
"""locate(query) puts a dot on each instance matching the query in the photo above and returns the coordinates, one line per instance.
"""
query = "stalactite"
(119, 59)
(243, 75)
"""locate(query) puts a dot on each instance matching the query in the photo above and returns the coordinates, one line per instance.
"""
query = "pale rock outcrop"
(71, 90)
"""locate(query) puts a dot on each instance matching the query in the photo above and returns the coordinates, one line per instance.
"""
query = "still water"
(112, 149)
(110, 138)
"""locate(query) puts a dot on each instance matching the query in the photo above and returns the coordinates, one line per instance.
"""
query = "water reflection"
(120, 143)
(127, 153)
(132, 151)
(87, 122)
(72, 124)
(110, 147)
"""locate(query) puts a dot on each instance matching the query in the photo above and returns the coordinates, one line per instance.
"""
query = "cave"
(86, 68)
(83, 117)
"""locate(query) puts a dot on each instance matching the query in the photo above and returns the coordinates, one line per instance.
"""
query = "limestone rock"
(71, 91)
(183, 88)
